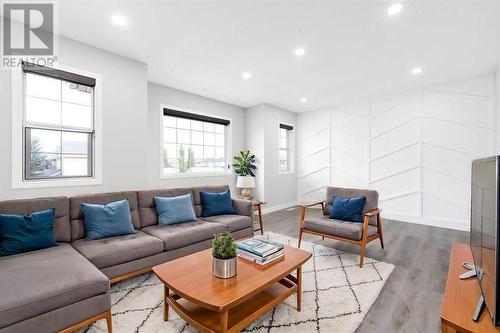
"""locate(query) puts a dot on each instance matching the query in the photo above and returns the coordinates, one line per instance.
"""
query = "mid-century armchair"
(352, 232)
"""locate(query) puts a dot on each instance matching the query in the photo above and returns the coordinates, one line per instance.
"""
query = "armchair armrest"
(372, 212)
(312, 204)
(243, 207)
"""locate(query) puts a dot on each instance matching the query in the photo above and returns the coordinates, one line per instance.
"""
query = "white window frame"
(290, 150)
(17, 135)
(228, 146)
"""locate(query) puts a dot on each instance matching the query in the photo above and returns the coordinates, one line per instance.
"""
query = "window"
(284, 154)
(58, 124)
(194, 143)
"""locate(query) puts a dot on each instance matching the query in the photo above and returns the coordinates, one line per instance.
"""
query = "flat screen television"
(484, 237)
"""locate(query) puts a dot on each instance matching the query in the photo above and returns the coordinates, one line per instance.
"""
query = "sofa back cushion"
(147, 211)
(370, 195)
(77, 225)
(216, 203)
(23, 233)
(172, 210)
(62, 226)
(102, 221)
(197, 196)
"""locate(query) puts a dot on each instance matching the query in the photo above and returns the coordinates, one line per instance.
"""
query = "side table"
(257, 206)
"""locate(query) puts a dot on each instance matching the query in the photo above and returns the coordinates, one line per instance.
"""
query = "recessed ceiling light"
(303, 100)
(246, 75)
(300, 51)
(118, 20)
(394, 9)
(416, 70)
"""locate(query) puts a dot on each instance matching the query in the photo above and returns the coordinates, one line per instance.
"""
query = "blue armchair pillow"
(102, 221)
(348, 209)
(31, 232)
(214, 203)
(173, 210)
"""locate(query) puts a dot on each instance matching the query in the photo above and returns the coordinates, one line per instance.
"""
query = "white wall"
(277, 189)
(158, 95)
(124, 121)
(415, 148)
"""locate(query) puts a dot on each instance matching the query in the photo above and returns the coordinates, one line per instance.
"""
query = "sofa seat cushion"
(325, 225)
(112, 251)
(183, 234)
(232, 222)
(41, 281)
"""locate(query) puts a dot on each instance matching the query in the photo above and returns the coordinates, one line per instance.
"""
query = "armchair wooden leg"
(300, 237)
(379, 229)
(362, 254)
(109, 322)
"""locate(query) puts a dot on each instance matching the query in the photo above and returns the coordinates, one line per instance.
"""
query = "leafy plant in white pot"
(245, 169)
(224, 256)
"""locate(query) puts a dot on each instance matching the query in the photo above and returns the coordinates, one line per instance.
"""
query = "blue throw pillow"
(31, 232)
(109, 220)
(348, 209)
(216, 203)
(173, 210)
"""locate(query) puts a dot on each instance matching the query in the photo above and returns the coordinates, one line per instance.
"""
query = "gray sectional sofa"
(66, 287)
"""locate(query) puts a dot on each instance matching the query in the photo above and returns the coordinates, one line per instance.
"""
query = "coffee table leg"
(299, 289)
(165, 307)
(223, 321)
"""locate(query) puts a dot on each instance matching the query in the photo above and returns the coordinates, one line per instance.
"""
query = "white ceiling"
(354, 49)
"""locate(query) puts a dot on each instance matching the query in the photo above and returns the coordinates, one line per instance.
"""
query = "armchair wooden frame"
(365, 239)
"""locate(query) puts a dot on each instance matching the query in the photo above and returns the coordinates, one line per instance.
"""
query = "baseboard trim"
(267, 210)
(427, 220)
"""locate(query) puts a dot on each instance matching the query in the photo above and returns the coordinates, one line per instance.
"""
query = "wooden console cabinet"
(460, 298)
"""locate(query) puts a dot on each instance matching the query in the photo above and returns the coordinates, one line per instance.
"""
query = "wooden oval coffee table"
(211, 304)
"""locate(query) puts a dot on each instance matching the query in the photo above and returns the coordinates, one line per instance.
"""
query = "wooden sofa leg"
(109, 321)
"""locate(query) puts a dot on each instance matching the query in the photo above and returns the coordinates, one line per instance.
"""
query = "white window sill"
(56, 183)
(287, 172)
(195, 175)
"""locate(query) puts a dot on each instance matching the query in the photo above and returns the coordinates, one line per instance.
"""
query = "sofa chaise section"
(51, 289)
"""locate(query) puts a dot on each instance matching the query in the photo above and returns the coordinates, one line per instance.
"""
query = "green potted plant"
(224, 256)
(245, 169)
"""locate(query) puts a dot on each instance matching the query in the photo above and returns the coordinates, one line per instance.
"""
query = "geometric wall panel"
(394, 163)
(395, 139)
(397, 184)
(406, 205)
(401, 113)
(452, 162)
(455, 190)
(459, 137)
(458, 108)
(437, 208)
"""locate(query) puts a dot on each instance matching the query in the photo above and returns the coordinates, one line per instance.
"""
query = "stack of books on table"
(260, 250)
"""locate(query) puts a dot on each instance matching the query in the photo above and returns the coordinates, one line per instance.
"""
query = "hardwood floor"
(411, 299)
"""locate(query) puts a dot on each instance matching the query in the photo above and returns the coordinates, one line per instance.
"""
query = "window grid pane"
(192, 146)
(58, 128)
(284, 149)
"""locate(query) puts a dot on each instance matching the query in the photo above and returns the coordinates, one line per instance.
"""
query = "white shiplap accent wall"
(415, 148)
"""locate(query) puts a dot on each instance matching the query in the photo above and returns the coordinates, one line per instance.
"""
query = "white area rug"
(337, 294)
